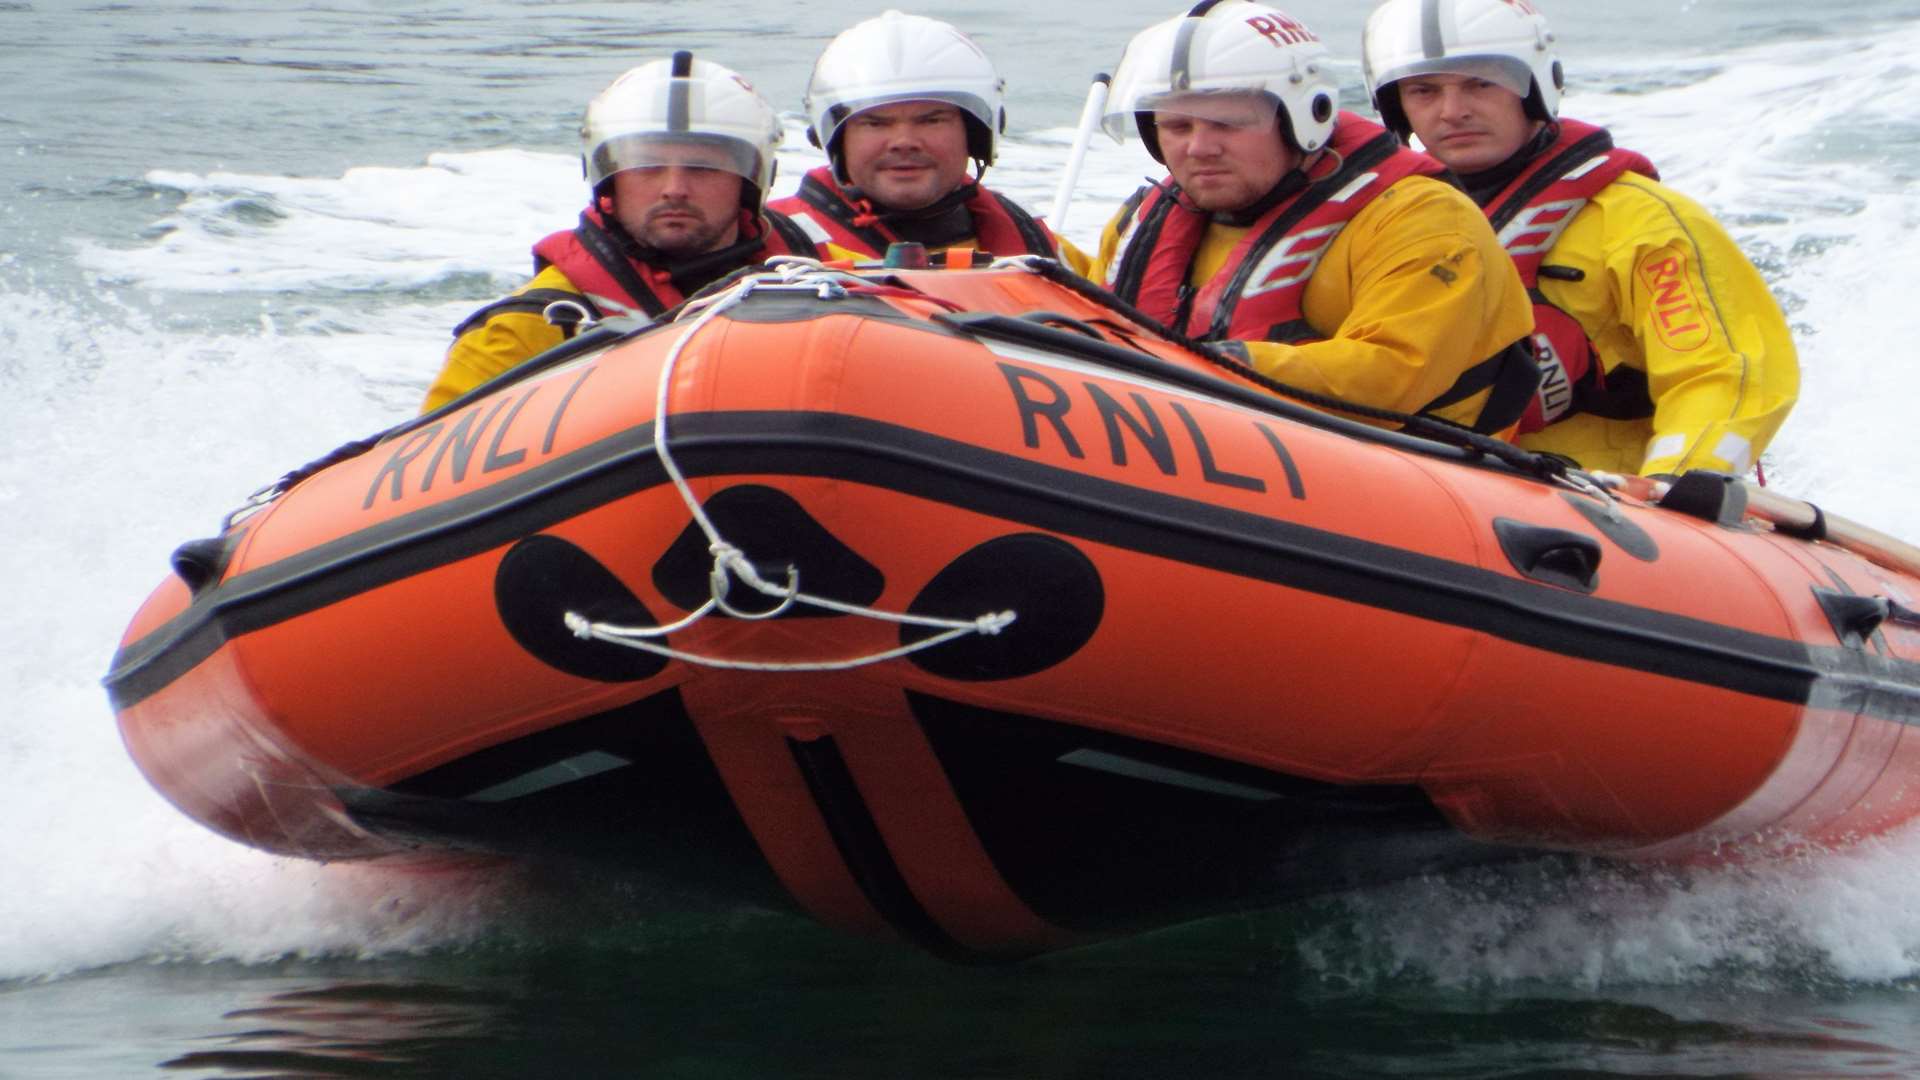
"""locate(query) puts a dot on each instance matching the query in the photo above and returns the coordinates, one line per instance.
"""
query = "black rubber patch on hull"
(775, 532)
(540, 580)
(1054, 590)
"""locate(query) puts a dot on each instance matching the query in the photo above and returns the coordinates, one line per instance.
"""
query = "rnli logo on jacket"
(1672, 304)
(1291, 261)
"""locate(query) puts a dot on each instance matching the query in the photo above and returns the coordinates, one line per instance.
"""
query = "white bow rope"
(728, 560)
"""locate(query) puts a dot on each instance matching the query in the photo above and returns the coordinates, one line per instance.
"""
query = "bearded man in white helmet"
(1305, 240)
(909, 111)
(679, 154)
(1663, 349)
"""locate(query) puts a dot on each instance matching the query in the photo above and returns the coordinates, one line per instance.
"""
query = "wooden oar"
(1797, 517)
(1806, 519)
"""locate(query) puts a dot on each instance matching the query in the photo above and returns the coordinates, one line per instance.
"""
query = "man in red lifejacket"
(679, 154)
(1307, 240)
(1663, 349)
(909, 111)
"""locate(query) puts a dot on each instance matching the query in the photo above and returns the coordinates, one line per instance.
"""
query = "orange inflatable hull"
(1254, 652)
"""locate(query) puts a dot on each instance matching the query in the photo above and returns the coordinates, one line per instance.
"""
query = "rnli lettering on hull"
(1044, 404)
(448, 450)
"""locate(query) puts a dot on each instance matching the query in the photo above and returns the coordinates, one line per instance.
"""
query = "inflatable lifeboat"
(967, 607)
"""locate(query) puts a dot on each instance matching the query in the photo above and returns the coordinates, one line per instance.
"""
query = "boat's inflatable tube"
(1000, 622)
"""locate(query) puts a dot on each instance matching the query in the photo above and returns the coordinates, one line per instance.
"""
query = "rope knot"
(727, 557)
(994, 622)
(729, 561)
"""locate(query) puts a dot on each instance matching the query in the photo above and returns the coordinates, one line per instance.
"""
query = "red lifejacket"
(616, 283)
(825, 211)
(1529, 215)
(1257, 294)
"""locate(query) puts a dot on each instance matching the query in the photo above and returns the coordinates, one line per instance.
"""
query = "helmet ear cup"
(979, 139)
(1535, 105)
(753, 197)
(1320, 110)
(1537, 98)
(1387, 101)
(1323, 109)
(1149, 135)
(836, 163)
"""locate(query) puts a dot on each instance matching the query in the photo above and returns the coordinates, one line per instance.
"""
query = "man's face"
(906, 155)
(1470, 124)
(1228, 158)
(687, 207)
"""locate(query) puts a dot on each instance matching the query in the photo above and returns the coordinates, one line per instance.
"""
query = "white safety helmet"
(1220, 48)
(1503, 41)
(895, 57)
(681, 111)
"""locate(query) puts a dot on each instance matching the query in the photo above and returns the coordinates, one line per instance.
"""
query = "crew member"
(1662, 347)
(1306, 240)
(909, 111)
(679, 154)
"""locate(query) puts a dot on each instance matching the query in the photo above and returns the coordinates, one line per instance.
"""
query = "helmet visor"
(1502, 71)
(970, 105)
(659, 149)
(1232, 108)
(1229, 108)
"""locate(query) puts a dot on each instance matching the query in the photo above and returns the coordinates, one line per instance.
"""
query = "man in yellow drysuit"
(1306, 240)
(678, 154)
(1662, 348)
(903, 105)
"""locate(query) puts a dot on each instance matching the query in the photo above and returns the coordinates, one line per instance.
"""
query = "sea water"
(235, 234)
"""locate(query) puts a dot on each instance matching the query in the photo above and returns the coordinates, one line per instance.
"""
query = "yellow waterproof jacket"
(1413, 293)
(504, 340)
(1663, 290)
